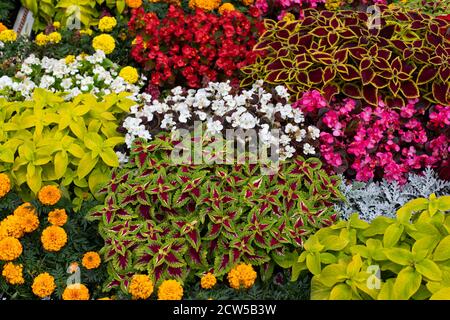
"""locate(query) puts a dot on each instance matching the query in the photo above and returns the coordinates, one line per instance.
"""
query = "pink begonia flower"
(262, 6)
(377, 139)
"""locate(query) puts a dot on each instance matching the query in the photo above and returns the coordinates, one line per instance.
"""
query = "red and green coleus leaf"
(162, 187)
(189, 228)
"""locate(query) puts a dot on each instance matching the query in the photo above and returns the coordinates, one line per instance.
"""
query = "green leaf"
(442, 251)
(296, 269)
(333, 274)
(341, 292)
(387, 290)
(319, 291)
(429, 270)
(313, 263)
(109, 157)
(400, 256)
(404, 214)
(286, 260)
(86, 165)
(334, 243)
(407, 283)
(327, 258)
(392, 234)
(61, 161)
(442, 294)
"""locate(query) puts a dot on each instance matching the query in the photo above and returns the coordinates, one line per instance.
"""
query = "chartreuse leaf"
(333, 274)
(400, 256)
(407, 283)
(442, 251)
(433, 204)
(429, 270)
(341, 292)
(404, 214)
(313, 263)
(319, 291)
(392, 234)
(387, 290)
(442, 294)
(443, 203)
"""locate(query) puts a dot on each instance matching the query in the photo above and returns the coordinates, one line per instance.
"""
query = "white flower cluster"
(220, 107)
(85, 74)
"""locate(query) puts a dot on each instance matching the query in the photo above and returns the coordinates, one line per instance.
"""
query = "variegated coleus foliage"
(344, 52)
(176, 221)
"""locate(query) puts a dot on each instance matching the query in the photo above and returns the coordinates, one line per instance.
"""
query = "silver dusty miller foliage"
(372, 199)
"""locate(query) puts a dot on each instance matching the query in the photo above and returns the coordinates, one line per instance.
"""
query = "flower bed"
(118, 172)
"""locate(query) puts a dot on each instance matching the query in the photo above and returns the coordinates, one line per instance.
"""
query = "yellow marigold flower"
(57, 217)
(76, 291)
(24, 210)
(49, 195)
(2, 27)
(54, 37)
(141, 286)
(12, 227)
(248, 2)
(53, 238)
(129, 74)
(13, 273)
(69, 59)
(206, 5)
(8, 36)
(242, 275)
(91, 260)
(10, 249)
(106, 24)
(5, 184)
(57, 24)
(170, 290)
(333, 4)
(86, 31)
(134, 3)
(226, 7)
(208, 281)
(41, 39)
(43, 285)
(104, 42)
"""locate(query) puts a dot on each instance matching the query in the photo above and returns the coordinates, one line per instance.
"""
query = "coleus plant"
(340, 53)
(177, 220)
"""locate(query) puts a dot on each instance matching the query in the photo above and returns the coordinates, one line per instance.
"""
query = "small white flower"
(314, 132)
(308, 149)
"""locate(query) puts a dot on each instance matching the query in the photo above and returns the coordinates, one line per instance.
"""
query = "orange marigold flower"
(49, 195)
(43, 285)
(2, 27)
(53, 238)
(242, 275)
(13, 273)
(91, 260)
(226, 7)
(57, 217)
(208, 281)
(248, 2)
(134, 3)
(11, 226)
(10, 249)
(170, 290)
(141, 286)
(5, 182)
(24, 209)
(76, 291)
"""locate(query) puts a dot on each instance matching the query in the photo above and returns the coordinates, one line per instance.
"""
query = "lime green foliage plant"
(50, 140)
(86, 11)
(403, 258)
